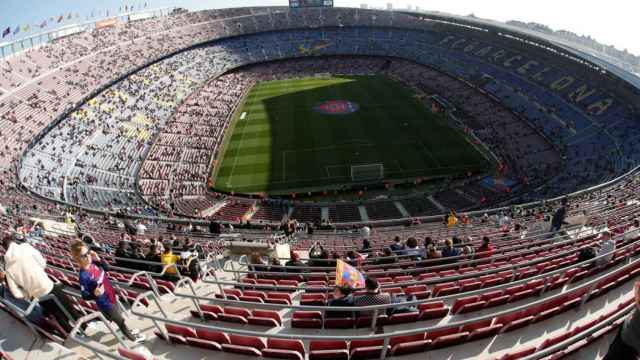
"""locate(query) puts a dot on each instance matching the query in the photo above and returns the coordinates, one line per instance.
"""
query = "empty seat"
(328, 350)
(265, 318)
(408, 344)
(235, 315)
(210, 340)
(307, 319)
(245, 345)
(129, 354)
(284, 349)
(366, 349)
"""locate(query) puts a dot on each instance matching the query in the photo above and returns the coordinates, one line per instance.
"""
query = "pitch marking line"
(235, 159)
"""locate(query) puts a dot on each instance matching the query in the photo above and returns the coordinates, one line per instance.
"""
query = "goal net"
(367, 172)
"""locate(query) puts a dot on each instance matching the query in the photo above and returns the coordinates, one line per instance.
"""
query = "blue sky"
(613, 22)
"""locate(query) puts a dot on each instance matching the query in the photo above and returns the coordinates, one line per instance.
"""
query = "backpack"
(587, 254)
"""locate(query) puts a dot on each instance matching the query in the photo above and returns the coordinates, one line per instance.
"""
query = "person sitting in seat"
(387, 257)
(626, 344)
(412, 249)
(373, 296)
(341, 297)
(397, 247)
(607, 247)
(294, 262)
(449, 250)
(485, 250)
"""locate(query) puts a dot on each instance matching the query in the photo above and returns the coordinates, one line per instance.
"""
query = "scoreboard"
(310, 3)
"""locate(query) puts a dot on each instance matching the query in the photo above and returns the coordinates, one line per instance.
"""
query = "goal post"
(367, 172)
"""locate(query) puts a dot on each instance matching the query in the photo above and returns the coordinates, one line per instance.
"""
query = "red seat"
(339, 323)
(265, 318)
(245, 345)
(419, 291)
(258, 294)
(213, 336)
(403, 318)
(132, 355)
(366, 349)
(278, 298)
(328, 350)
(179, 334)
(481, 329)
(519, 354)
(251, 299)
(235, 315)
(284, 349)
(408, 344)
(313, 300)
(466, 308)
(460, 302)
(448, 340)
(307, 319)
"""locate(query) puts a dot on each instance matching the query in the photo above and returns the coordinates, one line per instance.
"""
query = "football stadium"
(315, 182)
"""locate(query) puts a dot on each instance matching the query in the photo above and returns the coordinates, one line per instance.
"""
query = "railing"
(545, 276)
(588, 286)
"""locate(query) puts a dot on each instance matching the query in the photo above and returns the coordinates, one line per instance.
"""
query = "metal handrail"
(539, 354)
(323, 309)
(589, 286)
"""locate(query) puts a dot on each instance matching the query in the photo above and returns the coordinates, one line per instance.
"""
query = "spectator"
(449, 250)
(275, 265)
(141, 228)
(36, 316)
(26, 280)
(95, 285)
(412, 249)
(351, 258)
(333, 262)
(373, 296)
(559, 217)
(607, 247)
(341, 297)
(634, 231)
(433, 252)
(257, 263)
(366, 246)
(294, 262)
(626, 344)
(485, 250)
(387, 257)
(397, 247)
(168, 258)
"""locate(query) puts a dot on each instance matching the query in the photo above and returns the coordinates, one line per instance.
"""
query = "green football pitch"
(301, 134)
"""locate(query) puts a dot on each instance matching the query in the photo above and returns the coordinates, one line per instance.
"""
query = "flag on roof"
(16, 30)
(61, 18)
(26, 28)
(6, 32)
(347, 275)
(43, 24)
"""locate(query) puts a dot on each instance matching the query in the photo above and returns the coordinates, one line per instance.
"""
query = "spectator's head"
(366, 244)
(449, 243)
(351, 254)
(387, 252)
(341, 291)
(255, 258)
(275, 261)
(371, 284)
(294, 256)
(396, 239)
(335, 255)
(636, 223)
(81, 254)
(606, 235)
(412, 242)
(564, 201)
(485, 240)
(428, 241)
(456, 240)
(7, 240)
(167, 249)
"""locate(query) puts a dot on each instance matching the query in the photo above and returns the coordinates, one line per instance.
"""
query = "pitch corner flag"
(347, 275)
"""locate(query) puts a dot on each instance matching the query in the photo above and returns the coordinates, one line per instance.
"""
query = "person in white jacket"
(26, 280)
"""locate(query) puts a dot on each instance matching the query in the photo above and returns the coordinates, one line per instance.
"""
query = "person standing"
(559, 216)
(26, 280)
(626, 344)
(95, 285)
